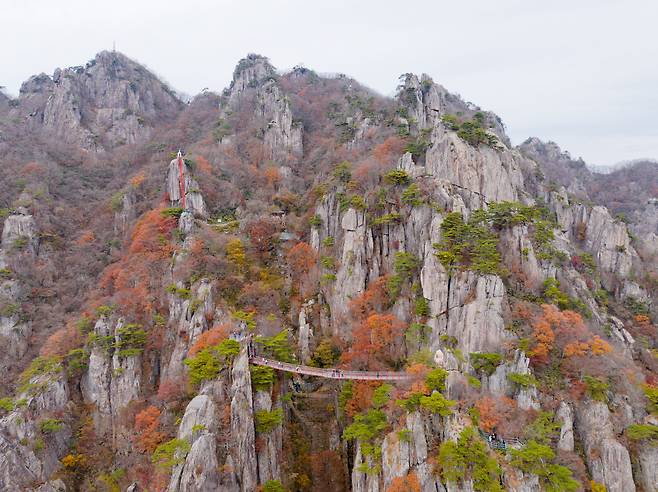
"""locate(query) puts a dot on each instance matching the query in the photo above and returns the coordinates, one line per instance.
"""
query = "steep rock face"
(305, 333)
(188, 318)
(193, 198)
(200, 469)
(648, 467)
(111, 101)
(112, 380)
(125, 215)
(607, 459)
(499, 384)
(242, 424)
(282, 135)
(480, 175)
(22, 461)
(20, 232)
(606, 238)
(20, 242)
(565, 416)
(270, 450)
(351, 276)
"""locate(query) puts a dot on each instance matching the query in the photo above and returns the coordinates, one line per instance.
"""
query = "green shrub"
(417, 147)
(522, 380)
(84, 325)
(171, 453)
(597, 389)
(397, 177)
(273, 486)
(471, 131)
(412, 195)
(247, 317)
(485, 363)
(421, 306)
(468, 246)
(328, 241)
(473, 382)
(326, 354)
(535, 458)
(358, 202)
(116, 202)
(543, 429)
(5, 273)
(418, 333)
(327, 262)
(174, 212)
(642, 432)
(130, 340)
(277, 347)
(7, 404)
(40, 366)
(180, 292)
(510, 214)
(104, 311)
(77, 361)
(554, 295)
(315, 221)
(50, 426)
(437, 404)
(208, 363)
(651, 392)
(346, 394)
(262, 377)
(8, 310)
(468, 459)
(381, 395)
(387, 219)
(343, 172)
(204, 366)
(366, 427)
(268, 421)
(436, 379)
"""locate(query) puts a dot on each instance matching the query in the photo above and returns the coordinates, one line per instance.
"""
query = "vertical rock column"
(242, 424)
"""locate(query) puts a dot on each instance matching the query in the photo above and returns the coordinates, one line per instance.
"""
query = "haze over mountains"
(333, 227)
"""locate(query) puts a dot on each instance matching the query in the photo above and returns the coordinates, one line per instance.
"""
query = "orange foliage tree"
(135, 282)
(210, 338)
(375, 298)
(146, 424)
(491, 411)
(375, 341)
(407, 483)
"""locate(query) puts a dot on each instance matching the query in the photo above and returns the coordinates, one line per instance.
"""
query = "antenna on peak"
(114, 46)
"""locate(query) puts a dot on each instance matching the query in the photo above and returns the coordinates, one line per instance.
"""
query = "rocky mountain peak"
(250, 71)
(550, 151)
(110, 101)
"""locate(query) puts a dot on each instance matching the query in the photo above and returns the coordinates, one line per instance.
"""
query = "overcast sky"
(583, 73)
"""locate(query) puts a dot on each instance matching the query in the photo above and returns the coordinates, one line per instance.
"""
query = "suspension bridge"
(329, 373)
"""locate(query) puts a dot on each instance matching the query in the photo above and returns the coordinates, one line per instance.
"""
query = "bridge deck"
(330, 373)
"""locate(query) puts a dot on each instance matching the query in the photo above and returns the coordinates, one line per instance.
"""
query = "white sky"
(583, 73)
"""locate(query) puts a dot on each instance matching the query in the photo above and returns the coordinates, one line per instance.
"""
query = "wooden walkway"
(330, 373)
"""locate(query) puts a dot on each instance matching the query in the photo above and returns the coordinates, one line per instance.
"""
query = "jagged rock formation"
(111, 101)
(193, 198)
(20, 242)
(112, 379)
